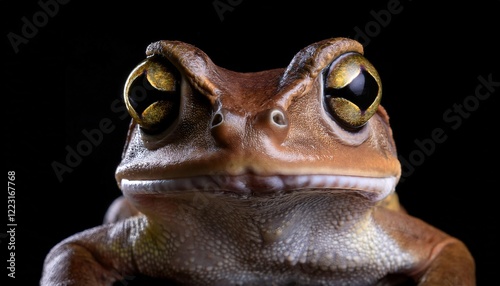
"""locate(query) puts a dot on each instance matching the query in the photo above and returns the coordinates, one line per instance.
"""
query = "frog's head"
(316, 124)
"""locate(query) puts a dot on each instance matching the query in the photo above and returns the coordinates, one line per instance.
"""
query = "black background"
(66, 77)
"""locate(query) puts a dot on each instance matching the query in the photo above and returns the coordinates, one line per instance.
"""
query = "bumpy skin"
(256, 182)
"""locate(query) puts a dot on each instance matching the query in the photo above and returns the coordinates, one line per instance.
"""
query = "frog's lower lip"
(374, 188)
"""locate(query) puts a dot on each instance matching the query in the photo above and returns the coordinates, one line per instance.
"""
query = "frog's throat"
(373, 188)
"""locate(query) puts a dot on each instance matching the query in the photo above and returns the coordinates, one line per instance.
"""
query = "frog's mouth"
(373, 188)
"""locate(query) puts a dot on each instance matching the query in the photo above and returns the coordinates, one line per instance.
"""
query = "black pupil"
(142, 94)
(362, 90)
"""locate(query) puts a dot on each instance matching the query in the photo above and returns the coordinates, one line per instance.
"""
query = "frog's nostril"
(217, 119)
(227, 128)
(278, 118)
(274, 123)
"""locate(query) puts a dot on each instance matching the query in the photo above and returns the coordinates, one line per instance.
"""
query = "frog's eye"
(352, 90)
(152, 94)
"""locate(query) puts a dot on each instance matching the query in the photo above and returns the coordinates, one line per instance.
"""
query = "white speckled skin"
(257, 180)
(316, 238)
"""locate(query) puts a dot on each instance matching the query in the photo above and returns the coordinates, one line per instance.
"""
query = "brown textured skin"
(249, 145)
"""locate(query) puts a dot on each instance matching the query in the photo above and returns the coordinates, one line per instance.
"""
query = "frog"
(279, 177)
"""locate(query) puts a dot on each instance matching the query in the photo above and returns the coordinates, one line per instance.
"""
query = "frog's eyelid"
(312, 60)
(309, 63)
(192, 62)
